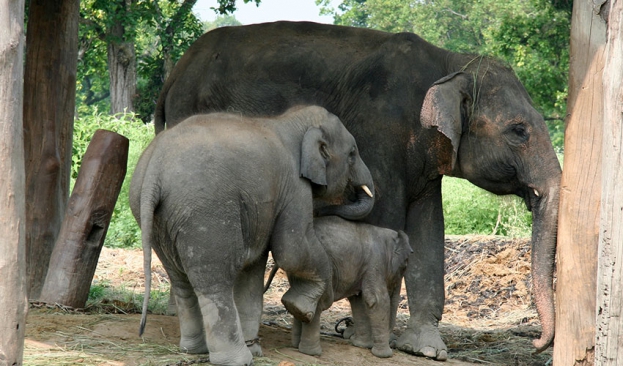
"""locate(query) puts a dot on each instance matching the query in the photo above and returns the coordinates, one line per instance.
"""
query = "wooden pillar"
(580, 193)
(82, 234)
(49, 106)
(13, 302)
(609, 339)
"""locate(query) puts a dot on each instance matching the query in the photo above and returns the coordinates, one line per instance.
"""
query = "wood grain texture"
(86, 221)
(13, 302)
(578, 230)
(609, 338)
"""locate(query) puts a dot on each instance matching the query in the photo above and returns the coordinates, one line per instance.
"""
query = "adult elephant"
(417, 111)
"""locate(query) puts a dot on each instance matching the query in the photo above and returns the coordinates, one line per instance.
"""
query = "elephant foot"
(361, 342)
(425, 341)
(382, 351)
(242, 358)
(350, 330)
(193, 345)
(312, 350)
(299, 306)
(256, 350)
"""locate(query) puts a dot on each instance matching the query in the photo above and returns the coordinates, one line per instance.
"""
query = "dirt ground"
(489, 318)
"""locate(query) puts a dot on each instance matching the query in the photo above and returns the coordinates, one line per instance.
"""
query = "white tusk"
(536, 193)
(367, 190)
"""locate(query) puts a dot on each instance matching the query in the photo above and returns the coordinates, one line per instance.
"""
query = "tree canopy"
(159, 30)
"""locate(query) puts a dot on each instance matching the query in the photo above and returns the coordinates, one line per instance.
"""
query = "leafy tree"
(532, 36)
(157, 31)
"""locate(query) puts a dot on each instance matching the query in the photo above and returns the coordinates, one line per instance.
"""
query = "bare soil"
(489, 317)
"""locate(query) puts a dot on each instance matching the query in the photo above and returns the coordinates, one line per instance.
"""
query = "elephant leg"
(248, 294)
(360, 332)
(213, 273)
(297, 326)
(310, 336)
(298, 252)
(424, 277)
(192, 332)
(378, 312)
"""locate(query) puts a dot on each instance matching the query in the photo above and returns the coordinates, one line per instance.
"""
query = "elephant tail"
(148, 203)
(271, 276)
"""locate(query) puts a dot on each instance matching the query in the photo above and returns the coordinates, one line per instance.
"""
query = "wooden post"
(578, 230)
(13, 302)
(83, 231)
(609, 340)
(49, 106)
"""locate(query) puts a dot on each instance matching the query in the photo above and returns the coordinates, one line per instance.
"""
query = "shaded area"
(488, 319)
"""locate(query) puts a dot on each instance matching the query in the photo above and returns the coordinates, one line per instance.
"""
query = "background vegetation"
(530, 35)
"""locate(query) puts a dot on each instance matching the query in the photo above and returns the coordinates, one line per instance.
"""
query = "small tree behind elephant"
(214, 194)
(368, 263)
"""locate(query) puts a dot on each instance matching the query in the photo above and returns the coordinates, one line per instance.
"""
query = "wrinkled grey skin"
(368, 263)
(417, 111)
(213, 195)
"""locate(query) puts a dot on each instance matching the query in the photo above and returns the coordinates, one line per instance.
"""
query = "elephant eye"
(519, 132)
(352, 157)
(324, 151)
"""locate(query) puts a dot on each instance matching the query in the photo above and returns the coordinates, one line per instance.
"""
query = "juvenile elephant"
(213, 195)
(368, 263)
(418, 112)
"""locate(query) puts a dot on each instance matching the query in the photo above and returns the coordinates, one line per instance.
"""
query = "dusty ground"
(488, 318)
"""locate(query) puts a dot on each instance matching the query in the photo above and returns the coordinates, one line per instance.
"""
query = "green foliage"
(123, 230)
(104, 297)
(471, 210)
(221, 21)
(531, 35)
(160, 30)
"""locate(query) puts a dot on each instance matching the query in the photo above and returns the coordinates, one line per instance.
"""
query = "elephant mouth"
(532, 197)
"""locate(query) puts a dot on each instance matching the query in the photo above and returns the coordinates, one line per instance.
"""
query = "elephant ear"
(313, 164)
(446, 105)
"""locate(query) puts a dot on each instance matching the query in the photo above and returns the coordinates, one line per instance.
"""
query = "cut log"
(86, 221)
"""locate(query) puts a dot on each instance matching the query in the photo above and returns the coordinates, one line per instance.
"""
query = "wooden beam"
(82, 234)
(49, 107)
(609, 340)
(578, 230)
(13, 302)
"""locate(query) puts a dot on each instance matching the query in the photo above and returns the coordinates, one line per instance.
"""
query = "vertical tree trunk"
(121, 64)
(609, 341)
(88, 215)
(49, 102)
(13, 302)
(578, 230)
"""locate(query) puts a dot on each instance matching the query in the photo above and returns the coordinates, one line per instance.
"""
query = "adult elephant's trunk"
(544, 235)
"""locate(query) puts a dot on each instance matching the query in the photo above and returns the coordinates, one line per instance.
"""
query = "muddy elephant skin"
(417, 112)
(215, 194)
(368, 263)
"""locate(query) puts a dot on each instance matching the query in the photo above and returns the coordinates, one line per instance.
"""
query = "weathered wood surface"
(578, 231)
(82, 234)
(49, 101)
(13, 302)
(609, 340)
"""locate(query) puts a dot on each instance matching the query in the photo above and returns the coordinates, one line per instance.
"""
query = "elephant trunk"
(544, 236)
(363, 185)
(353, 211)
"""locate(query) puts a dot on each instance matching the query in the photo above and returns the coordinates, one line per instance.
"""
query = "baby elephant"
(368, 264)
(213, 194)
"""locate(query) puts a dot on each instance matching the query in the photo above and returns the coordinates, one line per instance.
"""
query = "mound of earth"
(489, 317)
